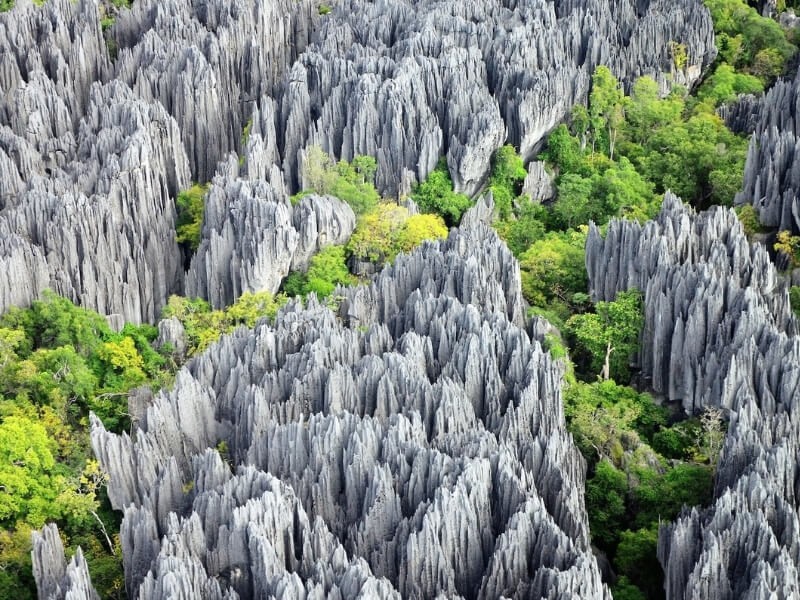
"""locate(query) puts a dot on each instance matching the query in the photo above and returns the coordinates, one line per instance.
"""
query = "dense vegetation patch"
(190, 207)
(57, 363)
(351, 182)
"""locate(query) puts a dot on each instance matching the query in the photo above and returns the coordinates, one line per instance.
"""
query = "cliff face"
(413, 445)
(719, 332)
(772, 171)
(93, 151)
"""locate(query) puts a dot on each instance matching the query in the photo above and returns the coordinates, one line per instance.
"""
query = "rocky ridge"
(419, 433)
(404, 83)
(719, 332)
(772, 170)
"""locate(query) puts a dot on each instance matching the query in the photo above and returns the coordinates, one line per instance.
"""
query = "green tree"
(506, 179)
(610, 335)
(327, 270)
(603, 418)
(553, 270)
(623, 589)
(436, 195)
(605, 503)
(528, 226)
(725, 84)
(565, 152)
(606, 109)
(789, 246)
(53, 322)
(28, 472)
(190, 206)
(375, 237)
(636, 559)
(352, 182)
(574, 205)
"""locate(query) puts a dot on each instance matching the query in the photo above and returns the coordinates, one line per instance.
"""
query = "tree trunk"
(606, 372)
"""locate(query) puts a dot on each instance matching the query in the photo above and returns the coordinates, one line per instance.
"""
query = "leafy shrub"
(506, 179)
(326, 270)
(350, 182)
(388, 230)
(436, 195)
(190, 206)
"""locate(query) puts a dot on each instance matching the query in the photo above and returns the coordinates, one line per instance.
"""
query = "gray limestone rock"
(253, 236)
(171, 332)
(99, 229)
(413, 445)
(55, 579)
(718, 332)
(538, 183)
(772, 170)
(706, 290)
(408, 83)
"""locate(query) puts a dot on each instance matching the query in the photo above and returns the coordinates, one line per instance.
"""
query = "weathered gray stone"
(253, 237)
(401, 433)
(718, 332)
(55, 579)
(538, 183)
(772, 170)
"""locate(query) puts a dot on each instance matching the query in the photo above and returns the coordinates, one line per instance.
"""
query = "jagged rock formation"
(252, 235)
(772, 170)
(742, 115)
(88, 171)
(719, 332)
(708, 296)
(55, 579)
(209, 63)
(420, 433)
(100, 223)
(409, 82)
(96, 149)
(538, 182)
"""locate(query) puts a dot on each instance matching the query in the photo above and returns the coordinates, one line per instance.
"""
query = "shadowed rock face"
(412, 446)
(772, 170)
(54, 577)
(719, 332)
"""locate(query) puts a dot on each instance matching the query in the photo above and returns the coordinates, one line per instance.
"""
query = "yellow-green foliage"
(326, 270)
(436, 195)
(749, 218)
(388, 230)
(204, 326)
(190, 206)
(351, 182)
(789, 245)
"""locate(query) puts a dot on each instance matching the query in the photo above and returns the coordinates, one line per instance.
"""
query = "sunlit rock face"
(719, 332)
(94, 149)
(411, 445)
